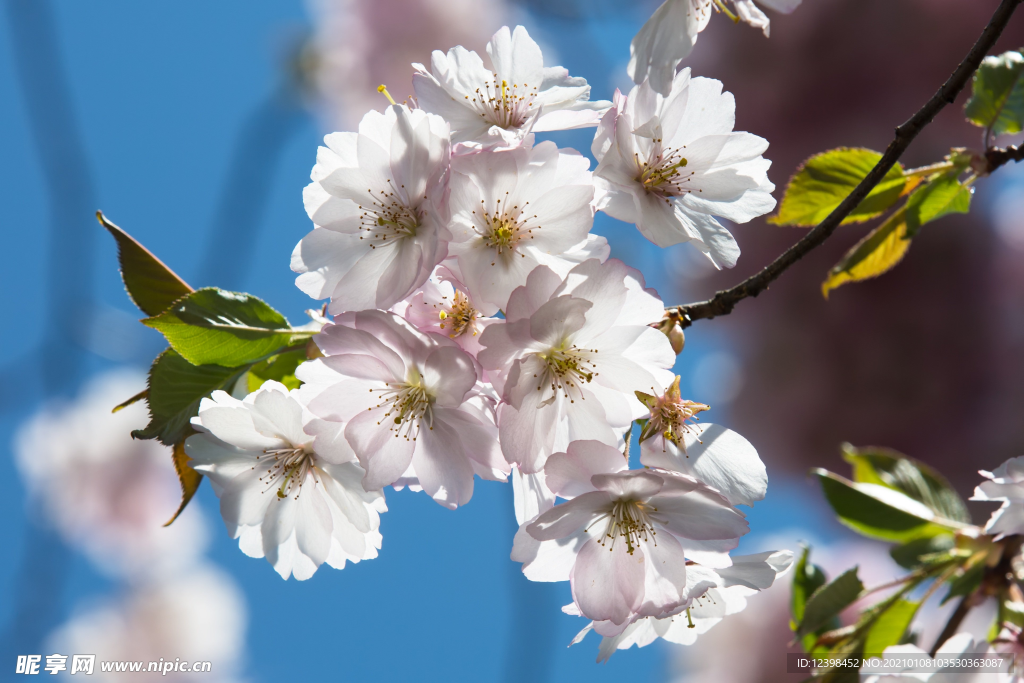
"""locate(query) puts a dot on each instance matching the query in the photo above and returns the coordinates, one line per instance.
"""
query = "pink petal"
(568, 474)
(607, 581)
(441, 464)
(629, 485)
(568, 518)
(382, 452)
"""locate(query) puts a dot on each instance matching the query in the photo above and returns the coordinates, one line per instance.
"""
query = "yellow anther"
(383, 90)
(504, 84)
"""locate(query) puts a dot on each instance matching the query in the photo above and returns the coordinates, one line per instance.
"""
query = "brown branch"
(724, 301)
(997, 156)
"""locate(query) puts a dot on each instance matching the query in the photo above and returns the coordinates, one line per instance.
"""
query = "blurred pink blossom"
(107, 494)
(363, 43)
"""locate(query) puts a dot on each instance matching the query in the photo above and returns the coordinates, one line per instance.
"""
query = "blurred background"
(194, 126)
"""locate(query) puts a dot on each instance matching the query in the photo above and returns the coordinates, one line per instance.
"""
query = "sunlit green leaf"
(890, 468)
(877, 511)
(280, 368)
(997, 97)
(150, 284)
(825, 180)
(939, 197)
(890, 626)
(878, 252)
(214, 326)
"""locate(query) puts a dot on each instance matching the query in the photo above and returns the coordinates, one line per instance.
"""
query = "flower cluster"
(479, 329)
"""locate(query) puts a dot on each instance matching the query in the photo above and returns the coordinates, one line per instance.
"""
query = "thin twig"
(724, 301)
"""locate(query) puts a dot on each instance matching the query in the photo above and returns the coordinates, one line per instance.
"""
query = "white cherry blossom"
(444, 306)
(500, 108)
(406, 403)
(569, 357)
(732, 585)
(378, 204)
(669, 35)
(1006, 485)
(283, 498)
(671, 164)
(624, 536)
(515, 210)
(717, 456)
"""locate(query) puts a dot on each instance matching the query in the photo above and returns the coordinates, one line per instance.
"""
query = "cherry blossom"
(500, 108)
(569, 356)
(378, 204)
(282, 497)
(1006, 484)
(669, 35)
(107, 494)
(359, 45)
(625, 536)
(731, 586)
(406, 403)
(515, 210)
(672, 163)
(196, 614)
(717, 456)
(443, 306)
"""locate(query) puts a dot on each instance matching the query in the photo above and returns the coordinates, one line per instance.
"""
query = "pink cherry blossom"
(625, 536)
(570, 355)
(407, 403)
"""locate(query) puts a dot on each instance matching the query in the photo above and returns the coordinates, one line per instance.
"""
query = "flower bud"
(669, 326)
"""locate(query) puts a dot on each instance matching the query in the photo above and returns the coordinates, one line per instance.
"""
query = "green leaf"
(828, 601)
(916, 552)
(187, 477)
(151, 285)
(877, 253)
(941, 196)
(807, 578)
(966, 583)
(924, 484)
(997, 98)
(890, 626)
(1010, 611)
(825, 180)
(213, 326)
(280, 368)
(175, 389)
(877, 511)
